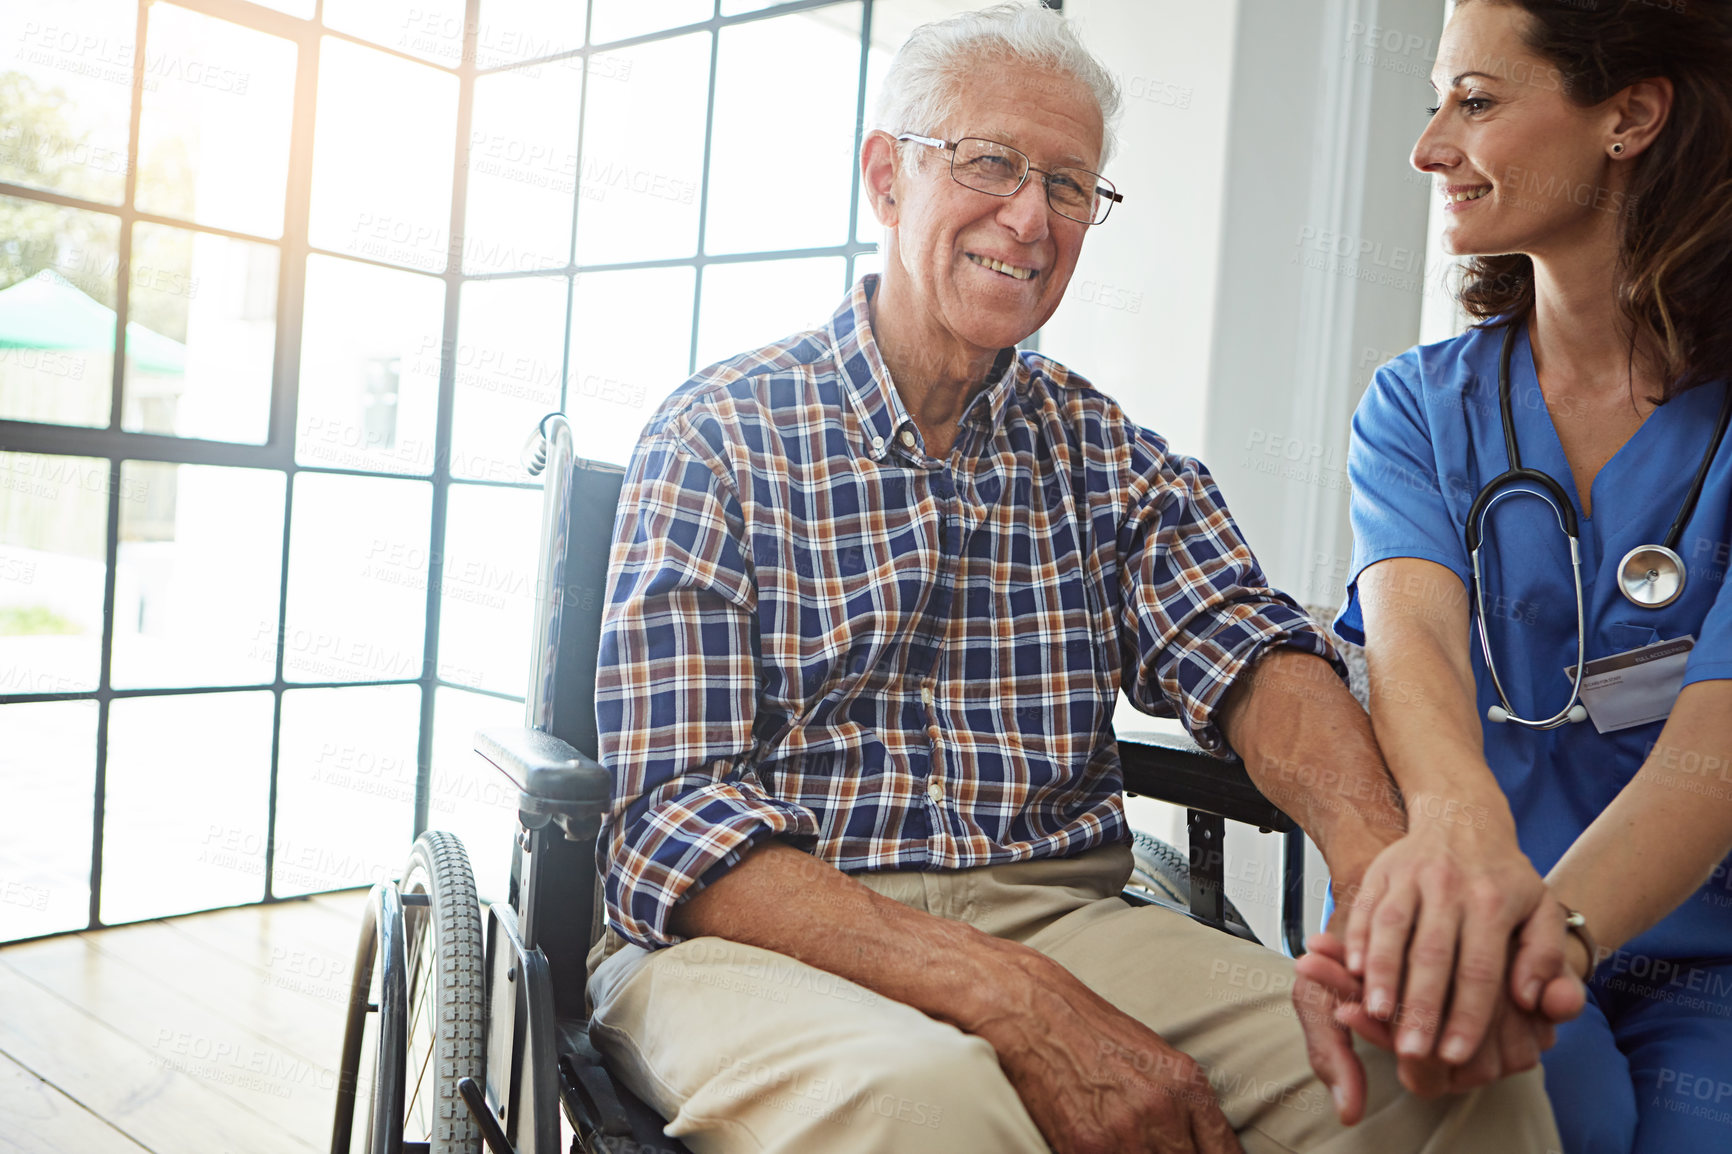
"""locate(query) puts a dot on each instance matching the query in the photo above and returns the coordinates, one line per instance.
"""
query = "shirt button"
(877, 444)
(926, 695)
(935, 791)
(932, 733)
(908, 437)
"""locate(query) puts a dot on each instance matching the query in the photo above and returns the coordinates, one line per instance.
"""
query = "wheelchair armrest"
(1172, 768)
(543, 766)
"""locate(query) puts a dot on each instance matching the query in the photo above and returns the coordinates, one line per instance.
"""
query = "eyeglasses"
(1000, 170)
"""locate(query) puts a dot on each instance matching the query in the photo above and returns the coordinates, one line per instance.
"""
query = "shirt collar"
(866, 380)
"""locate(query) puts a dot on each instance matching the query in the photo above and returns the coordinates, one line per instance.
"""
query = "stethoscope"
(1650, 576)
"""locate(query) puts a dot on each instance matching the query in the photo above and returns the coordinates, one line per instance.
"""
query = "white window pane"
(512, 30)
(430, 29)
(301, 8)
(70, 96)
(357, 603)
(736, 7)
(487, 593)
(201, 337)
(469, 796)
(629, 349)
(188, 797)
(382, 157)
(200, 564)
(522, 170)
(643, 152)
(47, 776)
(618, 19)
(782, 169)
(510, 363)
(53, 534)
(213, 139)
(57, 291)
(369, 367)
(345, 786)
(748, 305)
(868, 262)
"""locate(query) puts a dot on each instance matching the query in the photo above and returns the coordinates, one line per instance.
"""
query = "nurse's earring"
(1618, 148)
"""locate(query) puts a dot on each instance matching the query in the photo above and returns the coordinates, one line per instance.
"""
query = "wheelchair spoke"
(425, 1113)
(415, 1095)
(421, 1000)
(421, 984)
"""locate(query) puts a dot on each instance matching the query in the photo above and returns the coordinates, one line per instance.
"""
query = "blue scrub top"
(1426, 437)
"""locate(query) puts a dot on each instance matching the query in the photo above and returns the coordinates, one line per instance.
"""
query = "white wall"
(1137, 317)
(1270, 253)
(1322, 269)
(1261, 141)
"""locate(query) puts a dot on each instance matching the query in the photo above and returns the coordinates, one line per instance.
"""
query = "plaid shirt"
(817, 632)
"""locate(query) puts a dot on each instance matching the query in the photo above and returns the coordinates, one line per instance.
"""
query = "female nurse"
(1583, 149)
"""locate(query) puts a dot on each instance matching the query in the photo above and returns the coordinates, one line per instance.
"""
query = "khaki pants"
(743, 1049)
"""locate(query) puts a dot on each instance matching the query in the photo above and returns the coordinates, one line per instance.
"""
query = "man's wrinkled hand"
(1094, 1079)
(1321, 987)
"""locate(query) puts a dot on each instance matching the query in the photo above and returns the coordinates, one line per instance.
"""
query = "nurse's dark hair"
(1675, 258)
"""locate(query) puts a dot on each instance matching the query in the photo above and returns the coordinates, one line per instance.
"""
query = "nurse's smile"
(1459, 196)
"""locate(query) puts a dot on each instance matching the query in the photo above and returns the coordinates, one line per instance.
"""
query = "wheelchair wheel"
(1163, 875)
(445, 998)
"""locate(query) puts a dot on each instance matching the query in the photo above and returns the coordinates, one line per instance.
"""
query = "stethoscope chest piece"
(1651, 576)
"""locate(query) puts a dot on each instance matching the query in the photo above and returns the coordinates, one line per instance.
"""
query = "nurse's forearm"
(1431, 929)
(1422, 694)
(1665, 832)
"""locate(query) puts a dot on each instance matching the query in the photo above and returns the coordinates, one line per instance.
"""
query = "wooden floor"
(214, 1033)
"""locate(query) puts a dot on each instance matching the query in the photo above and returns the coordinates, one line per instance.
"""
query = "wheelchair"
(469, 1028)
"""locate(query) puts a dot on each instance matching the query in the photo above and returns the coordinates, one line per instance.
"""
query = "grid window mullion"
(579, 360)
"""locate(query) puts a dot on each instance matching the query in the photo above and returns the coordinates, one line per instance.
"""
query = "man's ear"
(1642, 110)
(880, 165)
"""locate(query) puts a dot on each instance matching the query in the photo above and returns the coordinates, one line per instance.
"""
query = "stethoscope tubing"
(1572, 709)
(1554, 495)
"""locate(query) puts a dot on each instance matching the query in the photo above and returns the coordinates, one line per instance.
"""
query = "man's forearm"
(1309, 748)
(1064, 1048)
(779, 898)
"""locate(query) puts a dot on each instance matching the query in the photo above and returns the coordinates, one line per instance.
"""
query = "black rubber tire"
(1163, 874)
(447, 995)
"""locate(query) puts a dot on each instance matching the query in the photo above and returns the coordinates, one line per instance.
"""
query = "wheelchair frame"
(538, 1057)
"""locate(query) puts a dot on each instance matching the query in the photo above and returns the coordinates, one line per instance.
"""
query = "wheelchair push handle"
(535, 449)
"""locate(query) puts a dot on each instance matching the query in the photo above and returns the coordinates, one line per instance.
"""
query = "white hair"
(926, 79)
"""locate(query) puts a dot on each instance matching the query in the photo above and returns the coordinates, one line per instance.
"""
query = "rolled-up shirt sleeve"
(676, 689)
(1196, 609)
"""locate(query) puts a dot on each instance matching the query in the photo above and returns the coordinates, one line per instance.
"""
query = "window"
(283, 287)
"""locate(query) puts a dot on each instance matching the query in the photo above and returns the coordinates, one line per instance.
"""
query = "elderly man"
(875, 591)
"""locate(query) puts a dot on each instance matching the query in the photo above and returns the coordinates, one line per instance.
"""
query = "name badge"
(1635, 687)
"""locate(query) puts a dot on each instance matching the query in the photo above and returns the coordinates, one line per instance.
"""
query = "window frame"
(116, 445)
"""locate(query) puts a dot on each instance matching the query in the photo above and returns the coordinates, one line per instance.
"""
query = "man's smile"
(999, 266)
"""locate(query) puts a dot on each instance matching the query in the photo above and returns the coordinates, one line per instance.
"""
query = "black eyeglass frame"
(1103, 187)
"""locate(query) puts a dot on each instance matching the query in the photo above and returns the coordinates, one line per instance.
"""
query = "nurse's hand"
(1430, 929)
(1329, 1003)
